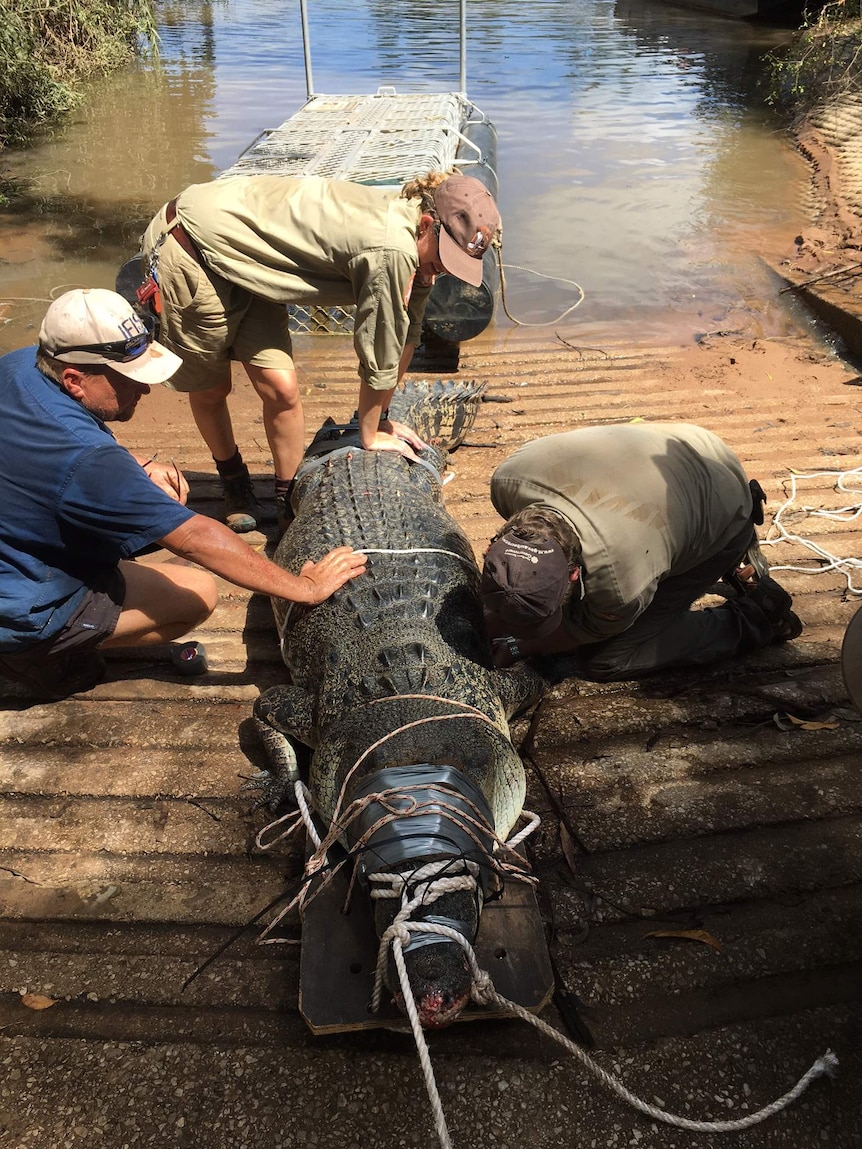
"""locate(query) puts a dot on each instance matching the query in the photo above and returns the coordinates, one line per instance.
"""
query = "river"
(637, 157)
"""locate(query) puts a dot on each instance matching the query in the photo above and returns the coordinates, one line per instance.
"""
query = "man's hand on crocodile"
(395, 436)
(331, 572)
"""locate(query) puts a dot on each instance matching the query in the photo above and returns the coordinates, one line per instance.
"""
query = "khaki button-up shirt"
(318, 242)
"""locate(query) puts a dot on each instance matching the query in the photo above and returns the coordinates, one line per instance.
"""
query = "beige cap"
(91, 325)
(470, 220)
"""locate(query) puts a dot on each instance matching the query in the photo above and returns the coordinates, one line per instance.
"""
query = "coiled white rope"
(498, 247)
(848, 514)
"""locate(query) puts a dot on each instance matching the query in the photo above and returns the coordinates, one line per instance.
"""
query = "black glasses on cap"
(120, 351)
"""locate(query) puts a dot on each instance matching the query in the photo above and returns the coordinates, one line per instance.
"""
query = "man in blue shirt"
(77, 507)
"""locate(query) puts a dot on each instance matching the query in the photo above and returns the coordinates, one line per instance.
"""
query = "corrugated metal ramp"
(126, 858)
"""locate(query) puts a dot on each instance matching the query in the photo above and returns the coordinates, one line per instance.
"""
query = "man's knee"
(197, 591)
(211, 396)
(605, 665)
(163, 603)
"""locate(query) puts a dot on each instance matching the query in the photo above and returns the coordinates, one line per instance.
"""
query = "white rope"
(827, 1064)
(498, 247)
(827, 560)
(295, 818)
(533, 824)
(398, 935)
(468, 562)
(302, 795)
(484, 993)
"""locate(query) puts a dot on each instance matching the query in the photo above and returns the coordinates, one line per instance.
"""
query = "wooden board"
(339, 954)
(851, 659)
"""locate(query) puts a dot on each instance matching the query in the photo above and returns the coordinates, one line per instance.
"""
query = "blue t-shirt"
(73, 503)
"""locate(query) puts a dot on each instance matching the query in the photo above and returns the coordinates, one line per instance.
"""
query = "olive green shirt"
(647, 501)
(318, 242)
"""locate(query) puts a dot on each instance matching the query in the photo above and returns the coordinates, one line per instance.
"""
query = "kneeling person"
(79, 507)
(612, 533)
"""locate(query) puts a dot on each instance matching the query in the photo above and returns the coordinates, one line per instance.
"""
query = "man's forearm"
(212, 545)
(371, 405)
(215, 547)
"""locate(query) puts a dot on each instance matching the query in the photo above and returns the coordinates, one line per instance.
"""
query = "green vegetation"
(47, 47)
(823, 63)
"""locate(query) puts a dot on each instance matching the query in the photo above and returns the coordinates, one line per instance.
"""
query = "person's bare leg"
(162, 603)
(212, 416)
(283, 420)
(211, 413)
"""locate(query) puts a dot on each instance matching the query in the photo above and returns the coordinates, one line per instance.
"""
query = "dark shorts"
(94, 621)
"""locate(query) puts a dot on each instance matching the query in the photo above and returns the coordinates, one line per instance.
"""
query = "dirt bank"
(826, 260)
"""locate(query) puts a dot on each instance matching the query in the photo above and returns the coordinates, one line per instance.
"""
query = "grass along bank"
(47, 47)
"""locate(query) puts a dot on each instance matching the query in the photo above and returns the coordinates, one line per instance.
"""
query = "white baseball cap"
(91, 325)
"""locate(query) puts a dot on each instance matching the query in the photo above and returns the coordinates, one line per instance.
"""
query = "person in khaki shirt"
(611, 535)
(229, 255)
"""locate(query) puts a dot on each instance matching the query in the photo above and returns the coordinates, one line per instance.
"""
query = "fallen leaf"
(637, 419)
(37, 1001)
(691, 935)
(811, 724)
(789, 721)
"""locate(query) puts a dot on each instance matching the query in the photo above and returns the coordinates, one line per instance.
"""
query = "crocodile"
(393, 689)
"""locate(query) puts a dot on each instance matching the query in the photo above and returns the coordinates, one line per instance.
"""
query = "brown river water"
(636, 155)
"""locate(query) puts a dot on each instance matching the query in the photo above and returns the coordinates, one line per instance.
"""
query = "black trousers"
(669, 633)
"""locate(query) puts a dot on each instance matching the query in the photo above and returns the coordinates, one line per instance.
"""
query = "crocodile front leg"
(281, 715)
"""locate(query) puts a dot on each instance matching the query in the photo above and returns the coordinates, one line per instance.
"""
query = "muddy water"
(636, 156)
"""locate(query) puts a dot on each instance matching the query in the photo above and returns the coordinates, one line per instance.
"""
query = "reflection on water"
(635, 154)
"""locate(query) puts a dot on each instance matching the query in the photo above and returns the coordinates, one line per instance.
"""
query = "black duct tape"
(434, 831)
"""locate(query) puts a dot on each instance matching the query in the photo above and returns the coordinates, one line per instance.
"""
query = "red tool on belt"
(149, 292)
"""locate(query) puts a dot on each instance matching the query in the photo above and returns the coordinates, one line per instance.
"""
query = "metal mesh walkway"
(381, 139)
(384, 140)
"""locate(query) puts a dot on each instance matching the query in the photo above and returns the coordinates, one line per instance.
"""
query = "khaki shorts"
(209, 322)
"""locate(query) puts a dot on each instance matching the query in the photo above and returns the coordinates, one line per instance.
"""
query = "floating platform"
(384, 140)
